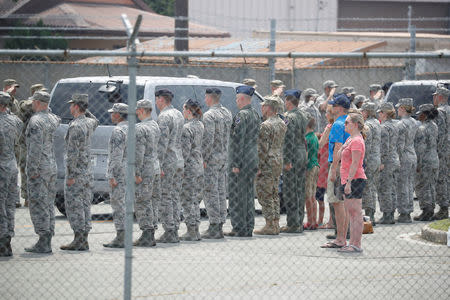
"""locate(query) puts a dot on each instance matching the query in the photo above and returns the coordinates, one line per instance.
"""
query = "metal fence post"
(273, 28)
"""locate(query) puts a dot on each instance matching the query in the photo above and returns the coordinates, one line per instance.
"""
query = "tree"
(162, 7)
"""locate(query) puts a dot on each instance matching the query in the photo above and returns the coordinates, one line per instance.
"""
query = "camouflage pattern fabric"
(443, 182)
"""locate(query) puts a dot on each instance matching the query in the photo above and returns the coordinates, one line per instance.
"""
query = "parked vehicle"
(420, 90)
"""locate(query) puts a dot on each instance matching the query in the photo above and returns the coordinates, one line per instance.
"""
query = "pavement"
(395, 264)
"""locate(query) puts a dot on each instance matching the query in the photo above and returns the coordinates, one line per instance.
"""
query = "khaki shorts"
(334, 194)
(311, 181)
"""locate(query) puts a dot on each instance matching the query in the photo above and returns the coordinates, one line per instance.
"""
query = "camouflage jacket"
(294, 148)
(407, 128)
(388, 145)
(40, 134)
(217, 122)
(443, 123)
(147, 138)
(373, 140)
(270, 145)
(191, 143)
(170, 122)
(78, 146)
(10, 130)
(117, 152)
(426, 145)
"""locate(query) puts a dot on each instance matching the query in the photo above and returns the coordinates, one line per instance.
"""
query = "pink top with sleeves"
(352, 144)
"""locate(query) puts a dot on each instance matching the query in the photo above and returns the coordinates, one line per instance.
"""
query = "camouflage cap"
(442, 91)
(144, 103)
(270, 101)
(348, 90)
(5, 98)
(41, 96)
(374, 87)
(424, 108)
(250, 82)
(277, 83)
(310, 92)
(329, 84)
(359, 99)
(36, 87)
(79, 98)
(386, 106)
(369, 106)
(10, 82)
(120, 108)
(405, 101)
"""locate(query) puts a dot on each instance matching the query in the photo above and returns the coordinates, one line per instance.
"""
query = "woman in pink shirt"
(353, 179)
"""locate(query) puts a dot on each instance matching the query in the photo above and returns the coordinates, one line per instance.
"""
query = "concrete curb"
(433, 235)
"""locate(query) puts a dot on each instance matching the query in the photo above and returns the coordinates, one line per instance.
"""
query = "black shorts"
(320, 193)
(357, 187)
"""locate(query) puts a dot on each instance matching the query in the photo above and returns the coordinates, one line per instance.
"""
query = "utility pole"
(181, 29)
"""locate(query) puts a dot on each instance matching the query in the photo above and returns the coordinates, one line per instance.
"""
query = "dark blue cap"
(341, 100)
(245, 89)
(213, 90)
(295, 93)
(163, 92)
(193, 103)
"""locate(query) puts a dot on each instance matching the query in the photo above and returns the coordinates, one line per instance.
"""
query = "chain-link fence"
(238, 195)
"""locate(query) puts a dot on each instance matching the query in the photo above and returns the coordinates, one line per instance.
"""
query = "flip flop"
(331, 245)
(325, 226)
(350, 249)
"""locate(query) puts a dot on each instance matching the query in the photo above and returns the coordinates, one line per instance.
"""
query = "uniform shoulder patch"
(286, 121)
(237, 120)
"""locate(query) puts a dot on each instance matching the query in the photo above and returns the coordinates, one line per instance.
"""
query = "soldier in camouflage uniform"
(170, 122)
(349, 91)
(427, 161)
(41, 171)
(310, 106)
(389, 162)
(250, 82)
(243, 164)
(270, 154)
(329, 89)
(295, 163)
(217, 122)
(10, 129)
(440, 99)
(25, 113)
(407, 128)
(78, 189)
(376, 94)
(359, 100)
(117, 165)
(191, 144)
(372, 159)
(277, 88)
(147, 169)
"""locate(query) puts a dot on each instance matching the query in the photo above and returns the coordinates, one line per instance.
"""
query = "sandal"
(350, 249)
(325, 226)
(332, 245)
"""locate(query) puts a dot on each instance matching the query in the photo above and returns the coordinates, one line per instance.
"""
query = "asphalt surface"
(395, 264)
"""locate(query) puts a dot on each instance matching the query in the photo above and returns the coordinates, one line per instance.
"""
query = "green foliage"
(34, 43)
(162, 7)
(441, 224)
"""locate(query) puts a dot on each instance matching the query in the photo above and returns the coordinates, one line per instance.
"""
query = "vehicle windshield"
(98, 102)
(420, 93)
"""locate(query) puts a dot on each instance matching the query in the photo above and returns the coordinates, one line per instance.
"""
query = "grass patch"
(441, 224)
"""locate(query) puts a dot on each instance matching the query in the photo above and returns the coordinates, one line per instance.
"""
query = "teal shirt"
(313, 149)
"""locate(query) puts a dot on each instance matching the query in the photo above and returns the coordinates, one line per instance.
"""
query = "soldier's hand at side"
(162, 173)
(235, 170)
(288, 167)
(70, 181)
(112, 182)
(35, 176)
(204, 165)
(381, 167)
(258, 173)
(138, 179)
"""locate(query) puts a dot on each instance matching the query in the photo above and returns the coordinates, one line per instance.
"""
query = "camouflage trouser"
(443, 182)
(144, 206)
(426, 187)
(214, 193)
(41, 197)
(23, 175)
(386, 185)
(370, 194)
(156, 196)
(267, 191)
(9, 192)
(169, 204)
(78, 198)
(294, 195)
(191, 197)
(117, 198)
(405, 187)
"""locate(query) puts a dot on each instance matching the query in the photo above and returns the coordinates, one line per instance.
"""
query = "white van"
(103, 92)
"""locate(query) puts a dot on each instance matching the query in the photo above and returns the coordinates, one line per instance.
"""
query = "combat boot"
(118, 241)
(404, 218)
(8, 246)
(147, 239)
(268, 229)
(191, 234)
(441, 214)
(426, 215)
(169, 236)
(85, 235)
(291, 229)
(4, 248)
(43, 245)
(371, 214)
(387, 218)
(213, 232)
(197, 232)
(77, 244)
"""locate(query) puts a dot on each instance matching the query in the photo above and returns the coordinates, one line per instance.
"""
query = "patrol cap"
(310, 92)
(214, 91)
(277, 83)
(164, 92)
(144, 103)
(374, 87)
(250, 82)
(10, 82)
(442, 91)
(425, 107)
(36, 87)
(329, 84)
(41, 96)
(386, 106)
(5, 98)
(192, 102)
(79, 99)
(120, 108)
(405, 101)
(270, 101)
(245, 89)
(369, 106)
(341, 100)
(348, 90)
(293, 92)
(359, 98)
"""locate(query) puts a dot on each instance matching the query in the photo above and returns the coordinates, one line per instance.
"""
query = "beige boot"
(268, 229)
(276, 224)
